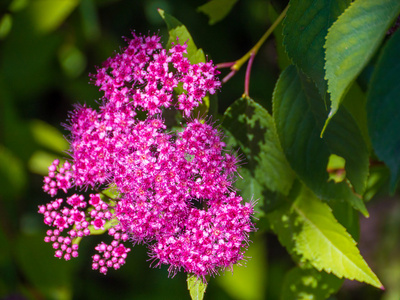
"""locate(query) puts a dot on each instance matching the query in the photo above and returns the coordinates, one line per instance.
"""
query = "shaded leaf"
(216, 10)
(13, 177)
(283, 59)
(9, 282)
(304, 284)
(179, 31)
(352, 41)
(13, 184)
(378, 182)
(355, 102)
(196, 287)
(383, 108)
(307, 228)
(266, 173)
(299, 114)
(305, 28)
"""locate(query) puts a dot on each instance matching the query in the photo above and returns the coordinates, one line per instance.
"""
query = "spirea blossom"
(170, 190)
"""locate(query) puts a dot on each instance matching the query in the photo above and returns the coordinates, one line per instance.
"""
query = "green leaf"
(13, 185)
(216, 10)
(352, 41)
(308, 229)
(179, 31)
(40, 161)
(266, 172)
(47, 15)
(5, 25)
(355, 102)
(48, 136)
(248, 281)
(299, 114)
(304, 284)
(13, 176)
(383, 108)
(196, 287)
(378, 182)
(305, 28)
(336, 168)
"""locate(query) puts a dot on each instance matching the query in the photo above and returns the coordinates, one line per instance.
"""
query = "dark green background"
(44, 71)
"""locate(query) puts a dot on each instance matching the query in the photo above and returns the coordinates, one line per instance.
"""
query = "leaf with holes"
(308, 283)
(299, 115)
(266, 172)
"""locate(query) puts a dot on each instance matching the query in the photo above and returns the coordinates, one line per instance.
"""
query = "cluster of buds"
(173, 190)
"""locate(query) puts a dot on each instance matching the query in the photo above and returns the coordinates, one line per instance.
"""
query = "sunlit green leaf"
(196, 287)
(305, 27)
(47, 15)
(216, 10)
(348, 217)
(336, 168)
(305, 284)
(266, 173)
(5, 25)
(299, 114)
(307, 228)
(247, 281)
(352, 41)
(40, 162)
(48, 136)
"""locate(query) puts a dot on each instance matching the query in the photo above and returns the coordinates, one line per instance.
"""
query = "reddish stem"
(229, 76)
(225, 65)
(248, 71)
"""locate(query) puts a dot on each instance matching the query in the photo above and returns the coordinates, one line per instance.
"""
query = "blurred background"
(47, 50)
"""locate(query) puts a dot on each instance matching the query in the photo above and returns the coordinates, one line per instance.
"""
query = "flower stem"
(247, 78)
(254, 50)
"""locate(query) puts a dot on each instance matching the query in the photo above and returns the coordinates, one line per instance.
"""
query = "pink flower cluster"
(173, 190)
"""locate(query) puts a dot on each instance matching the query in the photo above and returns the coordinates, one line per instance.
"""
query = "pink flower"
(173, 190)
